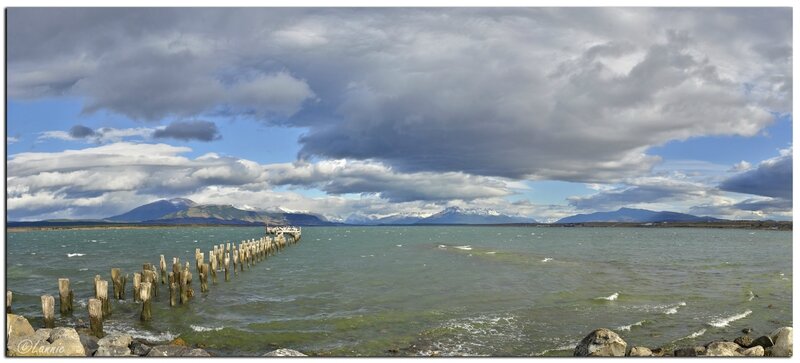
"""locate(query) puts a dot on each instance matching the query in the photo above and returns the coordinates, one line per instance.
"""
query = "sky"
(535, 112)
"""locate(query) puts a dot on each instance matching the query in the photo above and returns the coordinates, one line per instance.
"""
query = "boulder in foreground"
(782, 338)
(283, 352)
(601, 343)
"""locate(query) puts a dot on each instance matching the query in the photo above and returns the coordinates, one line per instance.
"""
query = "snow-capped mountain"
(457, 215)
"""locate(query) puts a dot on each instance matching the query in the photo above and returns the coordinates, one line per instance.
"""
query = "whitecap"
(399, 245)
(628, 327)
(723, 322)
(465, 248)
(611, 297)
(491, 252)
(547, 259)
(203, 328)
(83, 269)
(75, 254)
(751, 296)
(63, 246)
(442, 246)
(696, 334)
(674, 308)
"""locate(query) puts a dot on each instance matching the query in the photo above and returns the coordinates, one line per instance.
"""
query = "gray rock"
(64, 333)
(116, 340)
(782, 339)
(747, 330)
(723, 349)
(284, 352)
(685, 352)
(89, 343)
(42, 334)
(641, 352)
(140, 349)
(112, 351)
(18, 326)
(167, 351)
(28, 346)
(763, 341)
(68, 347)
(659, 352)
(744, 341)
(601, 343)
(197, 352)
(757, 351)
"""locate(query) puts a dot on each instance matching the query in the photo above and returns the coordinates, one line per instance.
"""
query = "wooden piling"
(189, 275)
(49, 311)
(137, 285)
(204, 277)
(65, 296)
(101, 293)
(144, 296)
(173, 290)
(213, 266)
(9, 296)
(163, 267)
(118, 281)
(96, 317)
(184, 281)
(227, 263)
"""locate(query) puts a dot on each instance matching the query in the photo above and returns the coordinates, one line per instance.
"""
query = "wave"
(465, 248)
(570, 346)
(674, 308)
(75, 254)
(83, 269)
(723, 322)
(491, 252)
(203, 328)
(611, 297)
(751, 296)
(547, 259)
(628, 327)
(696, 334)
(442, 246)
(149, 336)
(399, 245)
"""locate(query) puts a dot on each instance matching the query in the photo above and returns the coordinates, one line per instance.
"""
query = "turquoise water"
(432, 290)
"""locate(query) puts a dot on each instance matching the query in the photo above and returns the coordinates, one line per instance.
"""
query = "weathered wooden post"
(235, 258)
(96, 317)
(118, 281)
(214, 266)
(204, 277)
(227, 263)
(241, 258)
(49, 311)
(144, 296)
(189, 275)
(65, 296)
(101, 293)
(163, 267)
(137, 285)
(184, 281)
(173, 290)
(9, 296)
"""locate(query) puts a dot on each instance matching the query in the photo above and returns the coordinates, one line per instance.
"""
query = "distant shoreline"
(755, 225)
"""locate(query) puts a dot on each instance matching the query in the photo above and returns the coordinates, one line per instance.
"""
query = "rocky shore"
(24, 341)
(606, 343)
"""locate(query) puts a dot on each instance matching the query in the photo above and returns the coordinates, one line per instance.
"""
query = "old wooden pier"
(222, 258)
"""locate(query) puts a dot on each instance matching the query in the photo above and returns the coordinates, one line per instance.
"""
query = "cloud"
(102, 180)
(741, 166)
(772, 178)
(510, 93)
(11, 140)
(80, 131)
(645, 190)
(189, 130)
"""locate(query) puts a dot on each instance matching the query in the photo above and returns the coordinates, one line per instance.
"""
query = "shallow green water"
(418, 290)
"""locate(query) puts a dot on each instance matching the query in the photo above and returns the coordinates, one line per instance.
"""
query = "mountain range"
(635, 216)
(184, 211)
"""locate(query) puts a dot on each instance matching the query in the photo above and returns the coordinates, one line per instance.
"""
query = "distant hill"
(153, 210)
(394, 219)
(456, 215)
(633, 215)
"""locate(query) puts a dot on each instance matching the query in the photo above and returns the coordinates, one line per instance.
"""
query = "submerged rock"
(140, 349)
(284, 352)
(18, 326)
(641, 352)
(167, 351)
(723, 349)
(782, 340)
(601, 343)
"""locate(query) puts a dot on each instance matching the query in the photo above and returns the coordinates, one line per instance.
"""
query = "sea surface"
(382, 291)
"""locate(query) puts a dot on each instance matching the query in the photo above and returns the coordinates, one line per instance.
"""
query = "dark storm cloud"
(189, 130)
(772, 178)
(80, 131)
(519, 93)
